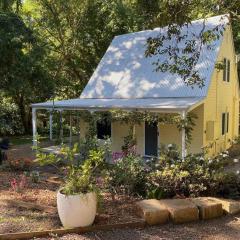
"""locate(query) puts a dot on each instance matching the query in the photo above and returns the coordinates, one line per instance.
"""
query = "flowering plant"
(18, 185)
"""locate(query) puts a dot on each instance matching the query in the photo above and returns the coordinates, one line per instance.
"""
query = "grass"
(26, 139)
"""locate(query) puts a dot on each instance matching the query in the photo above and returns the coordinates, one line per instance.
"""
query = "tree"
(23, 76)
(178, 14)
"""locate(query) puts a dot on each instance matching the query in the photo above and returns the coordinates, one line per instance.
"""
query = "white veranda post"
(34, 126)
(183, 136)
(50, 126)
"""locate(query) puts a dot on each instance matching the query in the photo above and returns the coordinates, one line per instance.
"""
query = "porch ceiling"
(177, 104)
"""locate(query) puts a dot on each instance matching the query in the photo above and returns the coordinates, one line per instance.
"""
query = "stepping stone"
(181, 210)
(229, 206)
(152, 211)
(208, 208)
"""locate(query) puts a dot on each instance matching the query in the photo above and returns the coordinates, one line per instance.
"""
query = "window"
(103, 129)
(225, 123)
(226, 70)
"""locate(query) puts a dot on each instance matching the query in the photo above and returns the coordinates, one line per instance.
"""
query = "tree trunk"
(24, 114)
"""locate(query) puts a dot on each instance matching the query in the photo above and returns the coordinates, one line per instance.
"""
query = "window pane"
(224, 69)
(228, 71)
(223, 123)
(227, 121)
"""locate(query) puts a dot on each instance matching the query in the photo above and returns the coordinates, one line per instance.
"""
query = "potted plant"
(77, 197)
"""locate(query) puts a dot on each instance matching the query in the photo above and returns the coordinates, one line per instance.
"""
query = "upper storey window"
(226, 70)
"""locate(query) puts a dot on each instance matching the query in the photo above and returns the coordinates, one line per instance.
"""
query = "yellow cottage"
(125, 79)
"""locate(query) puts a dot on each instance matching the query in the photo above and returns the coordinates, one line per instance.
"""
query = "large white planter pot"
(77, 210)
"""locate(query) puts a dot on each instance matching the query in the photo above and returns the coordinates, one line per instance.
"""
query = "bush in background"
(10, 121)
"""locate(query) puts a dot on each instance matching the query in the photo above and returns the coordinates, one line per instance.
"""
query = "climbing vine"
(136, 117)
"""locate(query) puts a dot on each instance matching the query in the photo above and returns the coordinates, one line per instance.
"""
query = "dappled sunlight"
(125, 72)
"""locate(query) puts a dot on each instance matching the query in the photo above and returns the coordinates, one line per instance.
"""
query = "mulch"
(17, 218)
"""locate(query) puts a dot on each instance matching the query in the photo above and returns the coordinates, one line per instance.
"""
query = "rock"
(229, 206)
(181, 210)
(152, 211)
(208, 207)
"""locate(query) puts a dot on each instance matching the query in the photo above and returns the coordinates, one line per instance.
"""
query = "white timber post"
(50, 126)
(61, 127)
(70, 130)
(34, 126)
(183, 136)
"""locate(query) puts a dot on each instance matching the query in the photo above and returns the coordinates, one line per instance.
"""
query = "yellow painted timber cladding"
(223, 97)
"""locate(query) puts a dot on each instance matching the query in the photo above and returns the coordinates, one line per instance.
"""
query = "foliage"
(19, 164)
(18, 185)
(10, 120)
(127, 176)
(81, 174)
(34, 176)
(193, 176)
(23, 77)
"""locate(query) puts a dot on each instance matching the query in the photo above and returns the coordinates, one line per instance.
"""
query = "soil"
(15, 219)
(224, 228)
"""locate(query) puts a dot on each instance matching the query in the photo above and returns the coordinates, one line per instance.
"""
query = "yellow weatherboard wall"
(222, 97)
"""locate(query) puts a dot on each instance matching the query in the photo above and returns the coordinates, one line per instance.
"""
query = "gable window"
(226, 70)
(225, 123)
(103, 129)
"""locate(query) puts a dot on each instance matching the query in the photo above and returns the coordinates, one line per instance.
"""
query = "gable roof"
(125, 78)
(125, 72)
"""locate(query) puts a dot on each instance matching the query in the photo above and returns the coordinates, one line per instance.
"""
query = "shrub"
(19, 164)
(127, 175)
(194, 176)
(18, 185)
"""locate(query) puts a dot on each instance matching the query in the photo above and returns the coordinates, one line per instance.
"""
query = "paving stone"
(208, 207)
(181, 210)
(153, 211)
(229, 206)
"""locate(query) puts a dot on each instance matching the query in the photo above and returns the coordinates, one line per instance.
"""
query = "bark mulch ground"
(15, 219)
(224, 228)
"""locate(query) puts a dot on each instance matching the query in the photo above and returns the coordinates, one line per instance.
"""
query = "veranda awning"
(144, 104)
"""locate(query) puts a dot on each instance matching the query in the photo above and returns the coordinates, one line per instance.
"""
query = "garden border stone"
(208, 208)
(153, 211)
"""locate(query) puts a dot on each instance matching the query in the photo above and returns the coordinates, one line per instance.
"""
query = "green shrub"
(127, 176)
(194, 176)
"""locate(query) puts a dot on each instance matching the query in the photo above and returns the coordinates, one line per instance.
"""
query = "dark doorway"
(151, 139)
(103, 129)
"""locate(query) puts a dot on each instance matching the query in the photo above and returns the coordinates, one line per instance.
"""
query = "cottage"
(125, 79)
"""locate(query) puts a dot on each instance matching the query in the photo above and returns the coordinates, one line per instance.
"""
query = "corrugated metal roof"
(155, 104)
(125, 72)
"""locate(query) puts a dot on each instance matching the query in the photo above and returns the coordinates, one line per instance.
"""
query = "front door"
(151, 139)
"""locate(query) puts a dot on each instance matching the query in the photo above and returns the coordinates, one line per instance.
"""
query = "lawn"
(25, 139)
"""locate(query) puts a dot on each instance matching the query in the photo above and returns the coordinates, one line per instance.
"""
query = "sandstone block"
(181, 210)
(152, 211)
(208, 208)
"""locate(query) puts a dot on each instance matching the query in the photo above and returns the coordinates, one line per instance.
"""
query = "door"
(151, 139)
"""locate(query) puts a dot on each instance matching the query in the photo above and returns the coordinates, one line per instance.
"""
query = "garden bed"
(19, 219)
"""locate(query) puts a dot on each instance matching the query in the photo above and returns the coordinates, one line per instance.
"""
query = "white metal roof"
(126, 79)
(125, 72)
(154, 104)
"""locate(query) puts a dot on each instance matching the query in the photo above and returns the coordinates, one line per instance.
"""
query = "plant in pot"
(77, 197)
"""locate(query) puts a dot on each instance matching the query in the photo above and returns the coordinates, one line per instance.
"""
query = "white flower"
(217, 160)
(172, 165)
(235, 160)
(224, 155)
(201, 158)
(170, 145)
(210, 160)
(237, 172)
